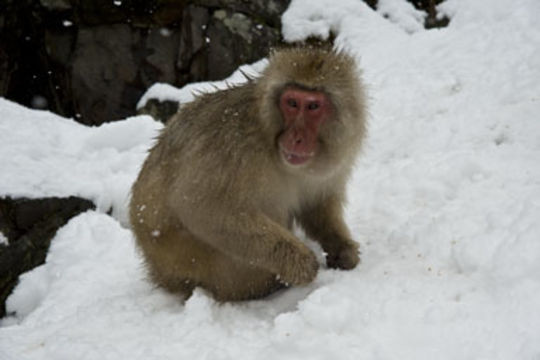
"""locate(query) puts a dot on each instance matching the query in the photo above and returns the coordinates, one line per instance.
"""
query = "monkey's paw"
(300, 268)
(345, 257)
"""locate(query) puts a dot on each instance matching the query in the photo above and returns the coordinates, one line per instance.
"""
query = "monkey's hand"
(342, 254)
(298, 264)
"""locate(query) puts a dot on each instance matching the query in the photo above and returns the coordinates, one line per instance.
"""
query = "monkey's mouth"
(296, 158)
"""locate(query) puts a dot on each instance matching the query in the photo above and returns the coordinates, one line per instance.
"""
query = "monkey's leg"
(232, 280)
(178, 261)
(172, 259)
(324, 223)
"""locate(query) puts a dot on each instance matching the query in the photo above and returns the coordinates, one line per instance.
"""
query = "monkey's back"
(207, 154)
(205, 167)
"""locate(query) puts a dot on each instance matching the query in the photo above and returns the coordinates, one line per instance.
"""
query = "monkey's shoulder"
(216, 117)
(221, 120)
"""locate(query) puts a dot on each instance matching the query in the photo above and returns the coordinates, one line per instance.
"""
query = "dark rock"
(160, 110)
(59, 44)
(214, 44)
(432, 18)
(159, 56)
(191, 56)
(263, 10)
(167, 12)
(233, 38)
(103, 66)
(99, 12)
(56, 4)
(93, 59)
(29, 225)
(372, 3)
(4, 71)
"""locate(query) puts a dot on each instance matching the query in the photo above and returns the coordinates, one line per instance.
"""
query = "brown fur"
(214, 202)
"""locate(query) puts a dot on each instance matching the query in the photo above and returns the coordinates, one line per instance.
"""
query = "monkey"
(216, 198)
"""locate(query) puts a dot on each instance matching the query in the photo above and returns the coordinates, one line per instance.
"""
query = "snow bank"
(43, 154)
(444, 201)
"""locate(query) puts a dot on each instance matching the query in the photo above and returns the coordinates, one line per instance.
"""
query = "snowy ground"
(445, 202)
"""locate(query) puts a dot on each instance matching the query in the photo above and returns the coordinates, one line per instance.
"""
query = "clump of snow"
(444, 202)
(3, 239)
(402, 13)
(321, 18)
(26, 298)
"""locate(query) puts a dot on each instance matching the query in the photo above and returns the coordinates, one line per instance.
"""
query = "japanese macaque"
(215, 201)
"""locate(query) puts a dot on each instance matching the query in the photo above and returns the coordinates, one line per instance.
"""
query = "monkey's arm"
(254, 238)
(323, 222)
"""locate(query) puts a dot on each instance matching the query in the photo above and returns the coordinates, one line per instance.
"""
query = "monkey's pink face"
(303, 112)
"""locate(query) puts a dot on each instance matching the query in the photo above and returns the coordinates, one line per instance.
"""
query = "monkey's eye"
(292, 103)
(313, 106)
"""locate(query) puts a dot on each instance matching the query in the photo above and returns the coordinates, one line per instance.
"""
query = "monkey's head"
(313, 104)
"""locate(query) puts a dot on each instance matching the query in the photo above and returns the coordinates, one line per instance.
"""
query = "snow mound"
(43, 154)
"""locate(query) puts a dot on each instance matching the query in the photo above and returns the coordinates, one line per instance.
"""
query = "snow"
(444, 201)
(402, 13)
(164, 92)
(43, 154)
(3, 239)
